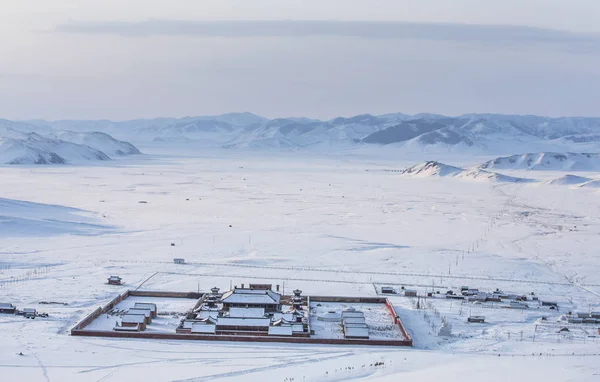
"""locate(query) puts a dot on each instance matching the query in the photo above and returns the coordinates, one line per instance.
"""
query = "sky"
(114, 59)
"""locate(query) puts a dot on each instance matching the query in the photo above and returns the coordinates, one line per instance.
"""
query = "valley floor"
(335, 226)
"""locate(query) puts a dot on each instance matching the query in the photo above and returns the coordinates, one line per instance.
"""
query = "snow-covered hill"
(432, 168)
(23, 218)
(591, 184)
(17, 147)
(96, 140)
(546, 161)
(568, 180)
(437, 169)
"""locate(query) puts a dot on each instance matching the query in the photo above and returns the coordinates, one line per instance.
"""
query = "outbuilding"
(132, 320)
(476, 319)
(29, 313)
(115, 280)
(146, 305)
(356, 331)
(7, 308)
(388, 290)
(146, 312)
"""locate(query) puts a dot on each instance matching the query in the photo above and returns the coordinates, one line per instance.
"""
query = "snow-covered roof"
(204, 328)
(143, 311)
(296, 327)
(208, 313)
(352, 314)
(133, 318)
(285, 316)
(251, 296)
(247, 312)
(281, 322)
(6, 306)
(142, 305)
(229, 321)
(356, 332)
(29, 310)
(354, 320)
(280, 330)
(330, 316)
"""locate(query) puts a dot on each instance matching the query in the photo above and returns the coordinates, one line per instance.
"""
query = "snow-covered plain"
(323, 224)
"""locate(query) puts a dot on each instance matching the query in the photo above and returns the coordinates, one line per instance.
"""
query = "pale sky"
(115, 59)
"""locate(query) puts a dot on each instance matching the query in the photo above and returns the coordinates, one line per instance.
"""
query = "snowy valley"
(506, 207)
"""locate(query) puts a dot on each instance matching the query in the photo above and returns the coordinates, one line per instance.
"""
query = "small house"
(146, 312)
(29, 313)
(595, 315)
(356, 331)
(178, 260)
(132, 320)
(575, 320)
(480, 296)
(387, 290)
(476, 319)
(134, 328)
(410, 293)
(146, 305)
(114, 280)
(7, 308)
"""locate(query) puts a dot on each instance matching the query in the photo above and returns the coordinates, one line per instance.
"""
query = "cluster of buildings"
(256, 310)
(475, 295)
(584, 318)
(8, 308)
(135, 319)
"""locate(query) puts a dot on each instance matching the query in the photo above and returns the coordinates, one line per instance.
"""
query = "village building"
(147, 313)
(387, 290)
(476, 319)
(7, 308)
(356, 331)
(146, 305)
(29, 312)
(115, 280)
(134, 320)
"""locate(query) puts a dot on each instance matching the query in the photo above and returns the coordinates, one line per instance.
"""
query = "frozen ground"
(324, 225)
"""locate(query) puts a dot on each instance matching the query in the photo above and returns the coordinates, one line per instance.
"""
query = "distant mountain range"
(477, 133)
(20, 144)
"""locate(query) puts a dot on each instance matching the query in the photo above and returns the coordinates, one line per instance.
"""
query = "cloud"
(307, 28)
